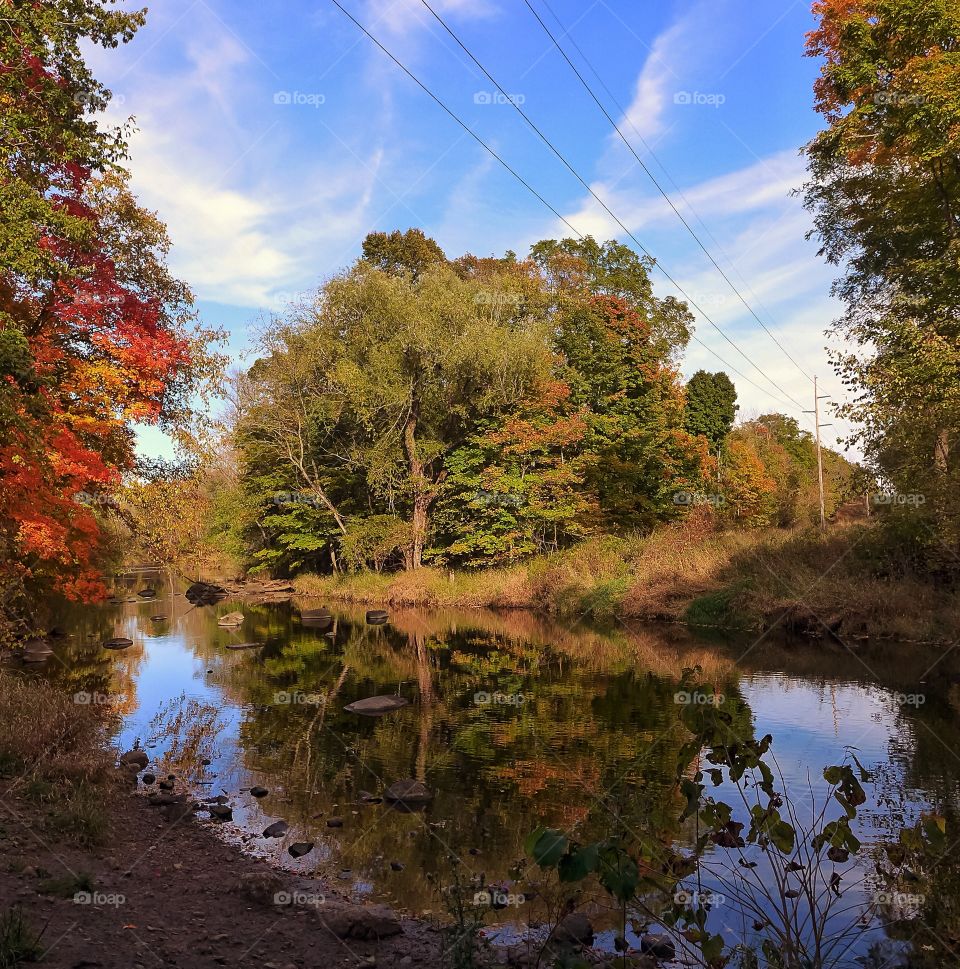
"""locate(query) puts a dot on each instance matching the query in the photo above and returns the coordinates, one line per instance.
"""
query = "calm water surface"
(513, 721)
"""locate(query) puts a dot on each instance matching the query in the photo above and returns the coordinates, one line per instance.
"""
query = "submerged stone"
(118, 642)
(375, 706)
(408, 791)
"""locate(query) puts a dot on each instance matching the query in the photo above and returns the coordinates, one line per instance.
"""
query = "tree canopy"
(884, 191)
(95, 333)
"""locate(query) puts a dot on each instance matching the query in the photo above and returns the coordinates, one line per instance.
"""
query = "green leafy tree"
(409, 252)
(711, 406)
(639, 451)
(885, 195)
(390, 374)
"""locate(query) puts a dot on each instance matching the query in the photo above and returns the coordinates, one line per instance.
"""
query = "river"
(513, 721)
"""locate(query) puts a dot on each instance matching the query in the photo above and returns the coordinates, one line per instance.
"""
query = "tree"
(402, 252)
(749, 490)
(392, 372)
(574, 267)
(517, 488)
(96, 334)
(885, 195)
(619, 371)
(786, 492)
(711, 406)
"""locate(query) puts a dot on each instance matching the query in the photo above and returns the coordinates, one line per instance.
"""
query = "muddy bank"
(164, 889)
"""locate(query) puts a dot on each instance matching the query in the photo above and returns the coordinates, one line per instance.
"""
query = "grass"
(694, 573)
(67, 886)
(19, 943)
(57, 755)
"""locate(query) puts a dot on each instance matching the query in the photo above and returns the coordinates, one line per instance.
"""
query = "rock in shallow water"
(119, 642)
(36, 651)
(276, 830)
(575, 928)
(375, 706)
(136, 756)
(300, 848)
(408, 791)
(659, 946)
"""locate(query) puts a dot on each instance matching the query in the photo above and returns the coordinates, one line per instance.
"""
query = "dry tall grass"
(688, 571)
(56, 753)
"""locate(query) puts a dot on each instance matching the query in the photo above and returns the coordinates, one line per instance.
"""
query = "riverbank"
(837, 584)
(94, 875)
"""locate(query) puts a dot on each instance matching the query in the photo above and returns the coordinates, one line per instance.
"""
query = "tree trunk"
(420, 486)
(418, 528)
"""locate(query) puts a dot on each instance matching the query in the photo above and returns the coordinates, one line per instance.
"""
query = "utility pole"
(816, 412)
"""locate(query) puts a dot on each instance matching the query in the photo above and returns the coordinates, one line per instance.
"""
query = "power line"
(462, 124)
(572, 228)
(660, 189)
(652, 153)
(607, 209)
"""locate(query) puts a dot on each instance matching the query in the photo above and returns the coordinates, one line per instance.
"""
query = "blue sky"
(272, 137)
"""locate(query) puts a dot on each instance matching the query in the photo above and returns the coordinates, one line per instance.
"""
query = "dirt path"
(165, 891)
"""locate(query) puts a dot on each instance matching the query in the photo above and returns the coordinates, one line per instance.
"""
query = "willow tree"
(382, 377)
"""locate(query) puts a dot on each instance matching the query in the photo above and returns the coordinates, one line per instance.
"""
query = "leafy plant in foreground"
(789, 874)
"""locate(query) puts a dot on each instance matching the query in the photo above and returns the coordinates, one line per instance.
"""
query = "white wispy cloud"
(208, 149)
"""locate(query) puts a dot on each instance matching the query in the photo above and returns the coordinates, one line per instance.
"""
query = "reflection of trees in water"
(185, 730)
(925, 765)
(595, 735)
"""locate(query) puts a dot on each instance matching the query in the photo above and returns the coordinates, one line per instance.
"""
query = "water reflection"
(513, 721)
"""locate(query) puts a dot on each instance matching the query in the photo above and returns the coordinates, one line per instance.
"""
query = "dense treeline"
(459, 411)
(477, 411)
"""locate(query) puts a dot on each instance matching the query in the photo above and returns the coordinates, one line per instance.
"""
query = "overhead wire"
(449, 111)
(659, 187)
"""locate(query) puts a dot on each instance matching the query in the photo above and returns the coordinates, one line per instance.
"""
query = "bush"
(18, 942)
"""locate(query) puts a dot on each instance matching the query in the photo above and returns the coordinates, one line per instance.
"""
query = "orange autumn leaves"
(101, 359)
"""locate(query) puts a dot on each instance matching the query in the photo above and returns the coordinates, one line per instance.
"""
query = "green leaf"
(577, 863)
(548, 848)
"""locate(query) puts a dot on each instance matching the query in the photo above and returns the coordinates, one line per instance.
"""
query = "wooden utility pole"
(816, 416)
